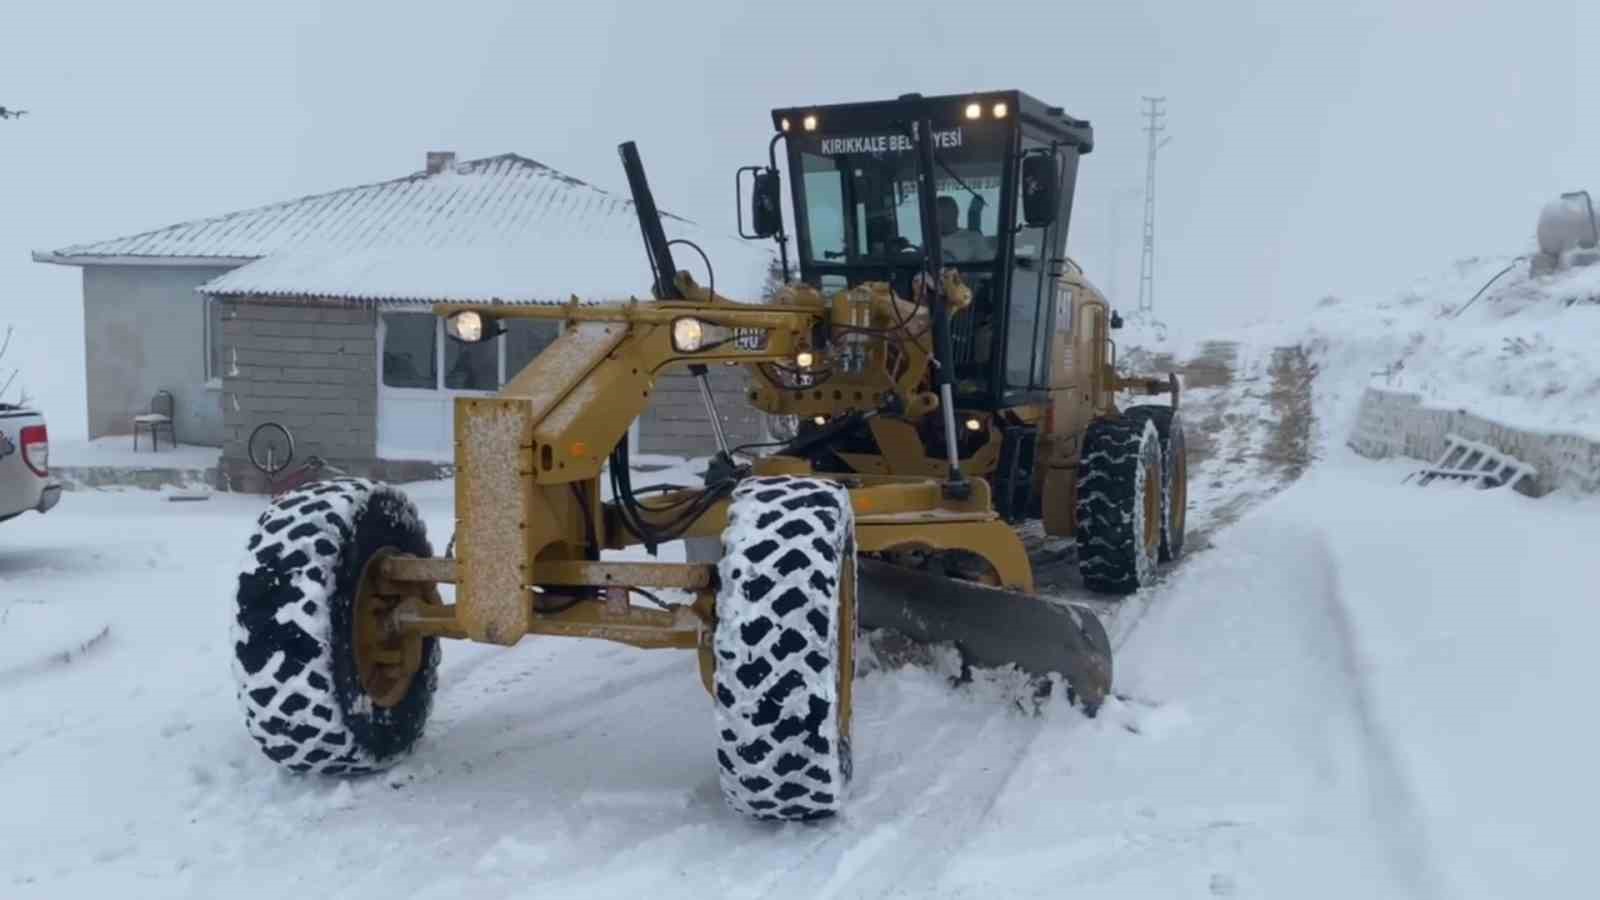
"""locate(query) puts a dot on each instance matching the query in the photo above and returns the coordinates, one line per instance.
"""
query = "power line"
(1155, 116)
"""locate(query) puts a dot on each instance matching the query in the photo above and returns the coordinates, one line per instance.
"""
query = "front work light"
(688, 335)
(465, 326)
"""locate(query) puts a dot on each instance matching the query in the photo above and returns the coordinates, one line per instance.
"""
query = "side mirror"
(1041, 189)
(766, 204)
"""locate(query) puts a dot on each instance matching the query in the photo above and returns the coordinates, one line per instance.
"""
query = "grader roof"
(1025, 107)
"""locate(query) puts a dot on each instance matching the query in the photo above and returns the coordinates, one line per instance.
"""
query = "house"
(314, 313)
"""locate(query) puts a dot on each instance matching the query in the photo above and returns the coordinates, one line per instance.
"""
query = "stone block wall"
(675, 423)
(1394, 423)
(310, 367)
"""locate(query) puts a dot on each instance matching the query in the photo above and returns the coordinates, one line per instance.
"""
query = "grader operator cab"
(955, 376)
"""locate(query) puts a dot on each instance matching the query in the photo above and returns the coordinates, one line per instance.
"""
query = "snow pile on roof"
(1523, 353)
(505, 227)
(477, 202)
(551, 270)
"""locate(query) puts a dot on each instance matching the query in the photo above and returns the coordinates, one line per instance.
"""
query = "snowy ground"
(119, 451)
(1353, 688)
(1328, 703)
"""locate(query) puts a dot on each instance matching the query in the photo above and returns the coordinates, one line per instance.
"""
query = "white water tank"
(1566, 224)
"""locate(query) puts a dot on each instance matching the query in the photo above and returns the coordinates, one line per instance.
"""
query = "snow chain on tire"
(1174, 471)
(1117, 456)
(784, 640)
(293, 631)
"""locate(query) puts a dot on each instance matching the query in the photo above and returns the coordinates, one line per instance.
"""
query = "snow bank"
(1522, 354)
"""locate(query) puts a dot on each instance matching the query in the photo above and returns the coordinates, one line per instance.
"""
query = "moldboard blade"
(993, 627)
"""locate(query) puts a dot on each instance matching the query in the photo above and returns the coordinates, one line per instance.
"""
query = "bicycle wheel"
(271, 448)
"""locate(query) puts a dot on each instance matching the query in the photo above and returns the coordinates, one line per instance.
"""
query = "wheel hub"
(386, 658)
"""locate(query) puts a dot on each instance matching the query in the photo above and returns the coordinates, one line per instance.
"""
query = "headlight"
(688, 335)
(691, 335)
(466, 326)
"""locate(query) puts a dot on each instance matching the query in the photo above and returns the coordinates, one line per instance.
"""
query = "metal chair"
(163, 409)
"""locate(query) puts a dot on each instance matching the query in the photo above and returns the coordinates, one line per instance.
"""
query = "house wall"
(675, 423)
(309, 367)
(144, 331)
(312, 367)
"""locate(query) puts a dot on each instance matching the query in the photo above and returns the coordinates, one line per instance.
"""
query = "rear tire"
(784, 645)
(1175, 475)
(294, 630)
(1119, 505)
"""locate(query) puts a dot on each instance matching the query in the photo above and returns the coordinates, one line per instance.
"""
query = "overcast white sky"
(1317, 148)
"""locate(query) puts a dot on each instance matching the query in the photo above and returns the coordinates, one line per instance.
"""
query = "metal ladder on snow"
(1479, 465)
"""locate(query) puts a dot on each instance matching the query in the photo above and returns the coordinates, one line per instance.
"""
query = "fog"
(1341, 149)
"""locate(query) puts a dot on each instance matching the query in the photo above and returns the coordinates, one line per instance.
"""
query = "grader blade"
(991, 626)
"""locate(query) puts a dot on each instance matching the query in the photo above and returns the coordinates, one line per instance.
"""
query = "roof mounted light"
(783, 123)
(809, 123)
(1000, 110)
(974, 110)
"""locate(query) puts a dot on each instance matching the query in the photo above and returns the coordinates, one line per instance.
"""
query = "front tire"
(1175, 475)
(1119, 505)
(785, 648)
(295, 661)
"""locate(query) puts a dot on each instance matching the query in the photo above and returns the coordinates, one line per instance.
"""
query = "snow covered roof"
(500, 228)
(544, 270)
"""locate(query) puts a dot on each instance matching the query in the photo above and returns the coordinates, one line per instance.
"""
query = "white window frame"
(213, 378)
(439, 338)
(439, 390)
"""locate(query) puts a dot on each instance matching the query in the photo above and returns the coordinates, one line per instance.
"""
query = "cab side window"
(1028, 323)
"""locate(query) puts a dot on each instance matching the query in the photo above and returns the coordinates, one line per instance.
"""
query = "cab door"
(1034, 260)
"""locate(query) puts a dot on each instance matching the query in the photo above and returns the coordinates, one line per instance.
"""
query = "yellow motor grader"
(953, 375)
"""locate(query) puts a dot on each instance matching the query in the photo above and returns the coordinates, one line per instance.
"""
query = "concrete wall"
(144, 331)
(309, 367)
(675, 422)
(1393, 423)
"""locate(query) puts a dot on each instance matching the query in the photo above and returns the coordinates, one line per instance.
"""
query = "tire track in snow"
(1390, 795)
(883, 845)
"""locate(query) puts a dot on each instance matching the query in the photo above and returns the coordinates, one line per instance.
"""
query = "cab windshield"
(860, 194)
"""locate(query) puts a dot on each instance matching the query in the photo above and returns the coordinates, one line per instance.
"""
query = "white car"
(24, 463)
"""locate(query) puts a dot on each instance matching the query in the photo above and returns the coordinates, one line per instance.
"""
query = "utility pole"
(1155, 115)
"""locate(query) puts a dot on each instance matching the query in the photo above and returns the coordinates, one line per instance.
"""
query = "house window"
(416, 354)
(525, 339)
(410, 350)
(215, 365)
(472, 367)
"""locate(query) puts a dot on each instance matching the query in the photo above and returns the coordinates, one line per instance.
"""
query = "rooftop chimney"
(440, 160)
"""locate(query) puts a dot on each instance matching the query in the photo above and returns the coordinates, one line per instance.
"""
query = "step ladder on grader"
(953, 374)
